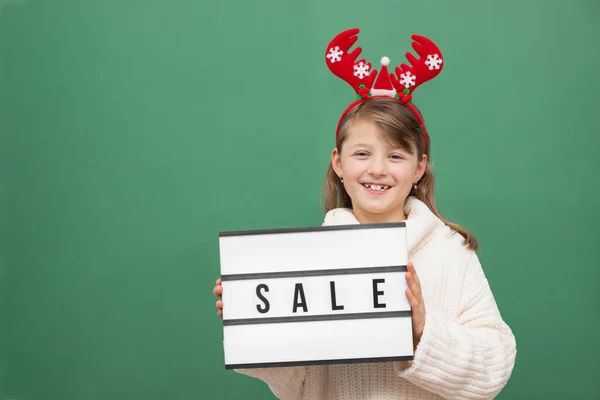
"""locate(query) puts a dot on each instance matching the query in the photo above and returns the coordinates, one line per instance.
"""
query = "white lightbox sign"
(318, 295)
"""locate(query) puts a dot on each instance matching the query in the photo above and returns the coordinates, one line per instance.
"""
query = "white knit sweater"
(466, 352)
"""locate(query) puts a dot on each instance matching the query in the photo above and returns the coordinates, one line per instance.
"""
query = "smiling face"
(378, 175)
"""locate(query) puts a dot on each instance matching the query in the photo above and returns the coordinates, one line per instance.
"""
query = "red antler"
(427, 67)
(343, 64)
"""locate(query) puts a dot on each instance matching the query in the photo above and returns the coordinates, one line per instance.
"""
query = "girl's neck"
(372, 218)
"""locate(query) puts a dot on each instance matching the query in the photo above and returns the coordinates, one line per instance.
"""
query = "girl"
(380, 171)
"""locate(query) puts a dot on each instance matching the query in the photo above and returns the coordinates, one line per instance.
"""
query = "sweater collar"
(420, 221)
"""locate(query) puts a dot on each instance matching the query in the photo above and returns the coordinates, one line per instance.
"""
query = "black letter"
(376, 294)
(300, 290)
(333, 302)
(263, 298)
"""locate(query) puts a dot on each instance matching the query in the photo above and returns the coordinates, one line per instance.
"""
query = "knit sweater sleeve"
(470, 357)
(285, 382)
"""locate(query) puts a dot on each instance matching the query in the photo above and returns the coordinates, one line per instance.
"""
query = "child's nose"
(377, 167)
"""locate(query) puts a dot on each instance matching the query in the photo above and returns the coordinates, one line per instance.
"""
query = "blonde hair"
(399, 126)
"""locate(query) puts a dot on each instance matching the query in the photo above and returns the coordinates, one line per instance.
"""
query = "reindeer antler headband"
(360, 77)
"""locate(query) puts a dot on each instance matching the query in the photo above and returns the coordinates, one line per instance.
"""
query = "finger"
(220, 304)
(218, 291)
(411, 299)
(218, 282)
(414, 271)
(412, 285)
(415, 278)
(220, 313)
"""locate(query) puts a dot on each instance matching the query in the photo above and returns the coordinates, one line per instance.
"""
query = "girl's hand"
(415, 298)
(218, 291)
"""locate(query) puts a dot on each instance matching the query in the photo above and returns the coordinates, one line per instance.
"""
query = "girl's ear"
(421, 167)
(336, 162)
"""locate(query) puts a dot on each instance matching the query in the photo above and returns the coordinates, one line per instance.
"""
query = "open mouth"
(376, 188)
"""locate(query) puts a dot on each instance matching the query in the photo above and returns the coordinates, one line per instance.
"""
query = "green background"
(132, 132)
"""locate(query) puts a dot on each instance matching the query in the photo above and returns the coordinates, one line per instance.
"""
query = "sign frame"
(328, 335)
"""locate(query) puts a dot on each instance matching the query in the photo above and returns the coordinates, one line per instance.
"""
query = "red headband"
(360, 77)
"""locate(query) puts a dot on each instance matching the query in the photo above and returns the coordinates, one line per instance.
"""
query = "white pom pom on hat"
(385, 61)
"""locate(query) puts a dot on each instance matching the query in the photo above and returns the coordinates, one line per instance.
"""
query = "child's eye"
(397, 157)
(361, 154)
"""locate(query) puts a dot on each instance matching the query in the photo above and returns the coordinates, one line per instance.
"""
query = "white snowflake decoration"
(433, 61)
(335, 54)
(361, 70)
(407, 79)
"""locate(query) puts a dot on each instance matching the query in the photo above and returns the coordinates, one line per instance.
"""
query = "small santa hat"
(383, 84)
